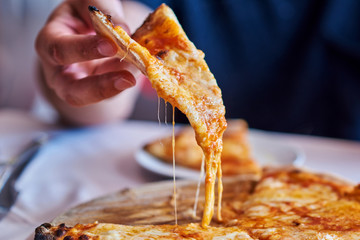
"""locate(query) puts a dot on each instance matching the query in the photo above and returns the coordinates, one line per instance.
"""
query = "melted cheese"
(220, 190)
(202, 169)
(158, 111)
(298, 203)
(174, 175)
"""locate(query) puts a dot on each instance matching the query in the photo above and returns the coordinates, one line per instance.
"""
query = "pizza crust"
(103, 25)
(101, 231)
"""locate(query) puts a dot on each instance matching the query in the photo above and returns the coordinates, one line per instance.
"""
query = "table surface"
(77, 165)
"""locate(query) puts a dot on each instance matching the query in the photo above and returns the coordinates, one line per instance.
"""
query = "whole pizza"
(286, 203)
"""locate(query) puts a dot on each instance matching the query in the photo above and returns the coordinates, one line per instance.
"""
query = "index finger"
(64, 39)
(59, 48)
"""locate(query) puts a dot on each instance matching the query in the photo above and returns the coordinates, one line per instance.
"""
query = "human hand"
(77, 64)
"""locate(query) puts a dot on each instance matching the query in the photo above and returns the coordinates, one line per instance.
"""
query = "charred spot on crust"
(295, 223)
(60, 232)
(93, 9)
(83, 237)
(161, 53)
(68, 238)
(47, 232)
(296, 171)
(43, 233)
(46, 225)
(42, 230)
(108, 17)
(253, 186)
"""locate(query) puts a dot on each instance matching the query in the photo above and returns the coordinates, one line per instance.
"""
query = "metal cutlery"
(13, 169)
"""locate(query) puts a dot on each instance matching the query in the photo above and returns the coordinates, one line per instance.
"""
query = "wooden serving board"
(152, 204)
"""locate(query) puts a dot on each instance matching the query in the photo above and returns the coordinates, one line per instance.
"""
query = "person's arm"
(79, 76)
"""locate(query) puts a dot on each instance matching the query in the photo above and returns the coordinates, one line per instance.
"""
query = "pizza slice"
(179, 74)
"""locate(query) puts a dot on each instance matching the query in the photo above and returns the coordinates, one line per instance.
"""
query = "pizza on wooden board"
(286, 203)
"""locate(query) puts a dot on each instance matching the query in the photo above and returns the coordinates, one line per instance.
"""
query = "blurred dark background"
(283, 65)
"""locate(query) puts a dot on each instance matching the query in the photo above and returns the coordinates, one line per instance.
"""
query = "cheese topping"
(173, 154)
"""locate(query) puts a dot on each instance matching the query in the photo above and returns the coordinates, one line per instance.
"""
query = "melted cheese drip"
(127, 50)
(220, 191)
(158, 111)
(173, 153)
(165, 112)
(198, 186)
(213, 161)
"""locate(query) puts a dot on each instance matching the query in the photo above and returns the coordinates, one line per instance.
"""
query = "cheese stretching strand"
(174, 177)
(179, 74)
(198, 186)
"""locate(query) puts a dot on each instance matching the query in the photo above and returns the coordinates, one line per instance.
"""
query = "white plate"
(265, 149)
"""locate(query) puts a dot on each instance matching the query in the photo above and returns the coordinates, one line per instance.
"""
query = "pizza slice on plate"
(179, 74)
(236, 157)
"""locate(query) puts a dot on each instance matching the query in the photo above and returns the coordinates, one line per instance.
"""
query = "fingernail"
(123, 84)
(106, 49)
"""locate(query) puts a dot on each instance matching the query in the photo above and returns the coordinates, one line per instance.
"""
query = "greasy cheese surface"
(300, 205)
(178, 72)
(284, 204)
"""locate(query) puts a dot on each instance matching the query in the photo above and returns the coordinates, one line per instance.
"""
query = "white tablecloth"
(77, 165)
